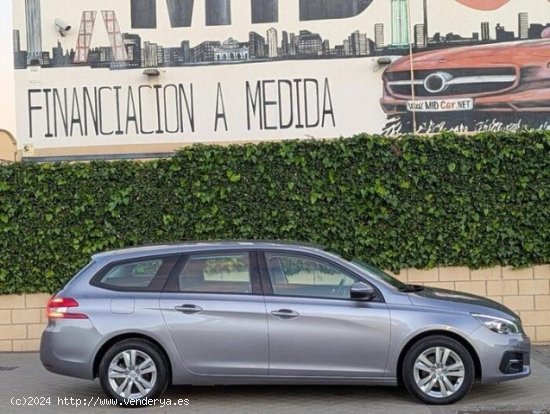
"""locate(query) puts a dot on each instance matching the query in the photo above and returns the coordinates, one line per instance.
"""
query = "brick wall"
(526, 291)
(22, 320)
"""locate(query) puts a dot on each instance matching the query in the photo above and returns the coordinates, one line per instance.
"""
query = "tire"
(425, 378)
(123, 361)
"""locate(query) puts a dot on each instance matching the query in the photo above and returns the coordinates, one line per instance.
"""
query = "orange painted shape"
(484, 4)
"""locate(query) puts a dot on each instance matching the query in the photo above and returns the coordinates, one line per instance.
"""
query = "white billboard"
(104, 72)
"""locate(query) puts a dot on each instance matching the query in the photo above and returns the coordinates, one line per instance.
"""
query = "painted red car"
(500, 78)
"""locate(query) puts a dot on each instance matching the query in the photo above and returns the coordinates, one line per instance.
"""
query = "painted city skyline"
(34, 31)
(130, 50)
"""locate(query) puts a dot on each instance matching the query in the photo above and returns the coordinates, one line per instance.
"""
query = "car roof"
(205, 246)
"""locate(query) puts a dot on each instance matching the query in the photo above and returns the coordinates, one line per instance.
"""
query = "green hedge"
(445, 200)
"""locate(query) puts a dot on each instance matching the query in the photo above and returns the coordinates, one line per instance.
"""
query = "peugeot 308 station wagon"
(272, 313)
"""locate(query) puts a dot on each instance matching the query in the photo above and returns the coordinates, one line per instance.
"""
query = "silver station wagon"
(272, 313)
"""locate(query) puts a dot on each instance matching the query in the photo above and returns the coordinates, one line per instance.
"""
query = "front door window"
(303, 276)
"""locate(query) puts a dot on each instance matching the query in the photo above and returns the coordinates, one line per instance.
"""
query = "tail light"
(62, 308)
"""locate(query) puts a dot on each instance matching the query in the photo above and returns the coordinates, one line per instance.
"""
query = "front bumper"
(526, 101)
(499, 355)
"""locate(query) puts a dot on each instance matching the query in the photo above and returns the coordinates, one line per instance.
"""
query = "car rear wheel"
(133, 371)
(438, 370)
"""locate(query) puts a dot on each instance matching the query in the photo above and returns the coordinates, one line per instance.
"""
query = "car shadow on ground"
(275, 393)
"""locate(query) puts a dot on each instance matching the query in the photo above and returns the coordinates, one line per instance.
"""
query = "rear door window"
(217, 273)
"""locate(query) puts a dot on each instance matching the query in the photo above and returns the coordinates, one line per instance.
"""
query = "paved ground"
(22, 376)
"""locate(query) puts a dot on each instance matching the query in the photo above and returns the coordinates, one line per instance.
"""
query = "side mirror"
(362, 291)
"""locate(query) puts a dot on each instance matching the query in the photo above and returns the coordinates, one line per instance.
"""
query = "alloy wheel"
(132, 374)
(439, 372)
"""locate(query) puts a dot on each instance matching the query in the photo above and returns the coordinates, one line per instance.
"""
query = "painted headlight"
(498, 325)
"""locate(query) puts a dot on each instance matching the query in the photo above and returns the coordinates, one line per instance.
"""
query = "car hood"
(523, 53)
(449, 299)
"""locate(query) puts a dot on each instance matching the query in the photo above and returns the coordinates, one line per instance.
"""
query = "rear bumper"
(495, 352)
(67, 348)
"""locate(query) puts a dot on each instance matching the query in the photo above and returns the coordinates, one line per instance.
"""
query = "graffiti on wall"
(431, 76)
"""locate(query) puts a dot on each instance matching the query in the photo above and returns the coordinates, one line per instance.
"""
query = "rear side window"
(148, 274)
(218, 273)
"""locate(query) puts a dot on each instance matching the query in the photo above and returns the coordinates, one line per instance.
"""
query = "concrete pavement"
(24, 381)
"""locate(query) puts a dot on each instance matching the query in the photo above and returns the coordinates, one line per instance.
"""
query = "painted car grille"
(447, 82)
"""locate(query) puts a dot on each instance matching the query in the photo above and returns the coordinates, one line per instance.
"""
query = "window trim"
(162, 279)
(266, 278)
(172, 284)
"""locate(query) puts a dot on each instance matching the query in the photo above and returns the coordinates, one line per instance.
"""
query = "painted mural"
(487, 82)
(138, 71)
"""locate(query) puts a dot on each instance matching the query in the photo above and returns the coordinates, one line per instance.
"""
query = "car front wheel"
(438, 370)
(132, 372)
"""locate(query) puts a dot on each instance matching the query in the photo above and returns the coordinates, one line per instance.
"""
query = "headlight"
(498, 325)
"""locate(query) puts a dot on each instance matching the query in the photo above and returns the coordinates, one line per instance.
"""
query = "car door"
(215, 313)
(315, 329)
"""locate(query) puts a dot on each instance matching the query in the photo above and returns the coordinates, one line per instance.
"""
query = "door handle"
(285, 314)
(188, 309)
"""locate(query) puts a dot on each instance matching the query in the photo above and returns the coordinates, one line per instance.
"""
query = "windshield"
(379, 274)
